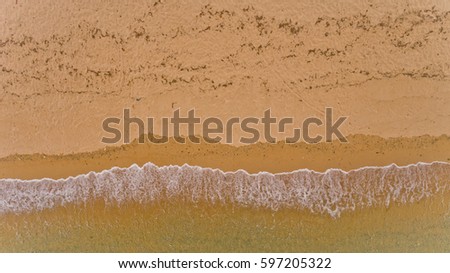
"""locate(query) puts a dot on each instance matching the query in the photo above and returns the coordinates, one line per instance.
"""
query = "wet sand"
(360, 151)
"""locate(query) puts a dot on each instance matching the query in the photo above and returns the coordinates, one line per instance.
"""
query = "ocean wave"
(331, 192)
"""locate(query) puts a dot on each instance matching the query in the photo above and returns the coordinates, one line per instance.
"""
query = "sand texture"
(67, 65)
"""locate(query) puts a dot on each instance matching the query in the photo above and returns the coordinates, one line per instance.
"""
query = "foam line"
(332, 192)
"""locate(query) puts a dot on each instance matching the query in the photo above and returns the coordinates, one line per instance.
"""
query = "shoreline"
(360, 151)
(332, 192)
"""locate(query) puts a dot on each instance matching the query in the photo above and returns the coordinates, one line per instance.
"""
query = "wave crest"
(331, 192)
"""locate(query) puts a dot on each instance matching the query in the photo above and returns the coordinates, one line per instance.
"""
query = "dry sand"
(67, 65)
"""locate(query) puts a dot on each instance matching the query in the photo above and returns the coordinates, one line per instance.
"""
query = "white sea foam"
(333, 191)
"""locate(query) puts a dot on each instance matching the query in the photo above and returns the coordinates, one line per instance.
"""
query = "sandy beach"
(384, 65)
(66, 66)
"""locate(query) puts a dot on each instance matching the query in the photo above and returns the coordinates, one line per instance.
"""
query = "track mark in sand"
(47, 63)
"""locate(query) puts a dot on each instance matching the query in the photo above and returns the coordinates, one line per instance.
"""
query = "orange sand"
(360, 151)
(68, 65)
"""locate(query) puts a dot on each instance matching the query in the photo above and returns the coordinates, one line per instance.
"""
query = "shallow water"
(375, 209)
(423, 226)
